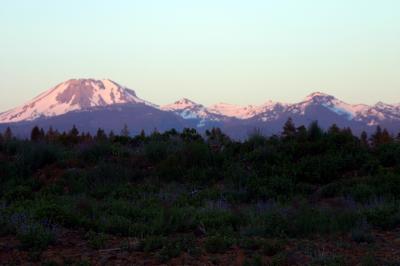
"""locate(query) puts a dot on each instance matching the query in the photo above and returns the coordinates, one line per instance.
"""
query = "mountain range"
(91, 104)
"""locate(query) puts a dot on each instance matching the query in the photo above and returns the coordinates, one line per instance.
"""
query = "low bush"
(35, 236)
(218, 243)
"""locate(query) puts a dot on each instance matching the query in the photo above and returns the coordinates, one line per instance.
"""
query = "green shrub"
(96, 240)
(151, 243)
(271, 247)
(362, 235)
(95, 152)
(362, 192)
(328, 260)
(255, 260)
(216, 220)
(218, 244)
(116, 225)
(249, 243)
(171, 249)
(19, 193)
(35, 236)
(385, 216)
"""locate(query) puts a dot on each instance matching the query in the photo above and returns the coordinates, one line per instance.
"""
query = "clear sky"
(237, 51)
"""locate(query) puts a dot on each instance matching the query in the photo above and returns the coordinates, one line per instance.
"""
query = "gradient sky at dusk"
(243, 52)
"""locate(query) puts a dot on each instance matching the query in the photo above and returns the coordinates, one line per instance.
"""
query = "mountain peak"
(181, 104)
(319, 97)
(72, 95)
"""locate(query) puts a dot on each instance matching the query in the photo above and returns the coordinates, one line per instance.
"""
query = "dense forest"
(305, 197)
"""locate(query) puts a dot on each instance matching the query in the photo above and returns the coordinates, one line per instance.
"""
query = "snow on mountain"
(188, 109)
(99, 97)
(72, 95)
(330, 102)
(232, 110)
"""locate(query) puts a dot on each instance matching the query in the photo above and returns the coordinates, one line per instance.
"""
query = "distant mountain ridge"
(81, 101)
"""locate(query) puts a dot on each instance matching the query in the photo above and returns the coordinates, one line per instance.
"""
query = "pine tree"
(289, 129)
(50, 135)
(8, 135)
(42, 134)
(35, 134)
(334, 129)
(386, 137)
(398, 137)
(314, 131)
(111, 135)
(88, 137)
(74, 132)
(364, 139)
(101, 135)
(376, 137)
(125, 131)
(73, 135)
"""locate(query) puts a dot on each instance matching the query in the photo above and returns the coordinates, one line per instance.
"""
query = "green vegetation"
(183, 193)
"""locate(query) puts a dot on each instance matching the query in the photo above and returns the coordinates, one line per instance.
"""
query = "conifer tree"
(111, 135)
(364, 139)
(73, 135)
(35, 134)
(334, 129)
(289, 129)
(50, 134)
(8, 135)
(314, 131)
(74, 132)
(125, 131)
(101, 135)
(386, 137)
(376, 137)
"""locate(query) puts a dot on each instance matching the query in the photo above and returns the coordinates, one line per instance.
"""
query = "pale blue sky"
(243, 52)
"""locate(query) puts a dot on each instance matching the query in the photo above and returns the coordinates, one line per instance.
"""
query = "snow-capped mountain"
(187, 109)
(190, 110)
(72, 95)
(91, 104)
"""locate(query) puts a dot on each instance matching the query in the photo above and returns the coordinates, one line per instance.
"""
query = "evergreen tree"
(289, 129)
(101, 135)
(398, 137)
(125, 131)
(88, 137)
(36, 134)
(74, 132)
(381, 137)
(376, 137)
(364, 139)
(301, 134)
(73, 135)
(111, 135)
(314, 131)
(50, 135)
(190, 134)
(8, 135)
(386, 137)
(42, 134)
(142, 134)
(216, 139)
(334, 129)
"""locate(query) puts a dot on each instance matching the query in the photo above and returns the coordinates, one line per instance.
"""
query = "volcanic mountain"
(72, 95)
(91, 104)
